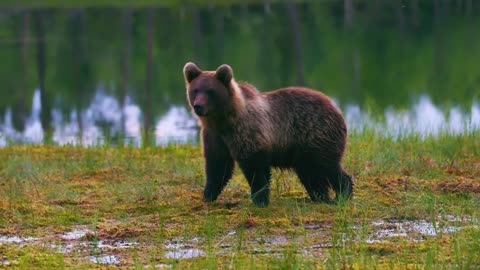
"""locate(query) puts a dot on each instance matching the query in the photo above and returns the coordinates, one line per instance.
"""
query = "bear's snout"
(199, 110)
(200, 104)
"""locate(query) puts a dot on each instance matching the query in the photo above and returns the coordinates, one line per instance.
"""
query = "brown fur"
(292, 127)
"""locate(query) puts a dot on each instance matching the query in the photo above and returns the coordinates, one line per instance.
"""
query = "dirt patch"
(460, 185)
(469, 170)
(115, 232)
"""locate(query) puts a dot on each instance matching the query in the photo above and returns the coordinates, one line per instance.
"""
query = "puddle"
(183, 249)
(16, 239)
(81, 246)
(384, 233)
(426, 228)
(78, 243)
(76, 234)
(174, 246)
(104, 259)
(115, 244)
(78, 239)
(187, 253)
(75, 243)
(163, 266)
(414, 229)
(273, 241)
(67, 248)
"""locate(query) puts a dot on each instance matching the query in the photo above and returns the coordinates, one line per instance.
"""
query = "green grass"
(151, 197)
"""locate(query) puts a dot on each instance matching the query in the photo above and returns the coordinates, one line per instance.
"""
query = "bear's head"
(210, 93)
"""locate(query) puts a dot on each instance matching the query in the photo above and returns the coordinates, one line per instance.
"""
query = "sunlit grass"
(152, 196)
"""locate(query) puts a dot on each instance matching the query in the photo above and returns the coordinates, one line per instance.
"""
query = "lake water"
(93, 74)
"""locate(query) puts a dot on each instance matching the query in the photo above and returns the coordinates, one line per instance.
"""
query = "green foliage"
(377, 61)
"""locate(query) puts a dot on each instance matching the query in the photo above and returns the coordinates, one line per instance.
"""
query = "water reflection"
(177, 125)
(108, 72)
(423, 118)
(104, 118)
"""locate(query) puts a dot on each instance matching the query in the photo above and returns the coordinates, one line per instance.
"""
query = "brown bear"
(293, 127)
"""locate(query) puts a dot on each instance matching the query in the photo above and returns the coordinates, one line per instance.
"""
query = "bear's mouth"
(199, 110)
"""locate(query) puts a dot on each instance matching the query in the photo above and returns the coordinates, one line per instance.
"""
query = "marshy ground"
(416, 205)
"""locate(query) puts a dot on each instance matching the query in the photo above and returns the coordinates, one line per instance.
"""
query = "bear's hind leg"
(341, 182)
(315, 182)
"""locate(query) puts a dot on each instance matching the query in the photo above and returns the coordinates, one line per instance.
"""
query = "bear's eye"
(195, 91)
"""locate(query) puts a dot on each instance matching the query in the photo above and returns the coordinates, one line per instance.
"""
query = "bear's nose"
(197, 109)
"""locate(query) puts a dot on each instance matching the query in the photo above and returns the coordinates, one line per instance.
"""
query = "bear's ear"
(191, 71)
(224, 74)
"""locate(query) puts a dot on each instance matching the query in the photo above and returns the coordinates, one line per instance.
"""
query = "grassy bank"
(416, 205)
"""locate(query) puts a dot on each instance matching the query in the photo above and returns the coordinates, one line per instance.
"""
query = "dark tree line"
(366, 52)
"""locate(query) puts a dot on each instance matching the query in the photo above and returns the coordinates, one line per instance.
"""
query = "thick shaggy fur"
(294, 127)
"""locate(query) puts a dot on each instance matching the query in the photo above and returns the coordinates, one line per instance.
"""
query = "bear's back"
(306, 118)
(286, 122)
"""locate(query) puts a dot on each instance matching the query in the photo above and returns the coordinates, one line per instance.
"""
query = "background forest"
(375, 54)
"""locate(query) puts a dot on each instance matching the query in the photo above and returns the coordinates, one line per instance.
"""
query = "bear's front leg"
(257, 170)
(218, 165)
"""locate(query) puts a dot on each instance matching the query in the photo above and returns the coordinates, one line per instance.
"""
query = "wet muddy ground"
(128, 207)
(81, 243)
